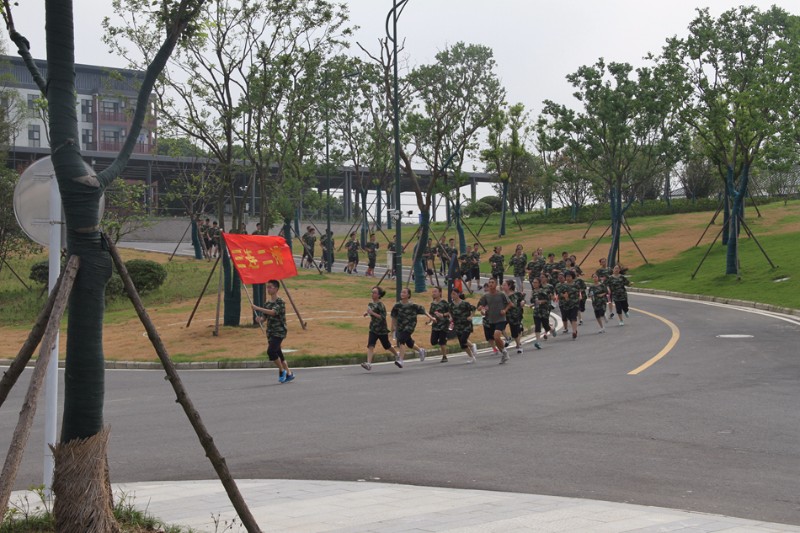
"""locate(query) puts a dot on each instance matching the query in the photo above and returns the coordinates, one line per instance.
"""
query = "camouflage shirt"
(518, 264)
(581, 285)
(603, 273)
(276, 324)
(442, 323)
(535, 267)
(352, 249)
(309, 240)
(474, 259)
(617, 285)
(377, 324)
(514, 315)
(406, 315)
(572, 296)
(462, 317)
(372, 249)
(541, 302)
(497, 260)
(599, 294)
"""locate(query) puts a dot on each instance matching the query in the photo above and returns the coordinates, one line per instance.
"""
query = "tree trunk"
(198, 247)
(726, 213)
(462, 240)
(739, 197)
(419, 264)
(504, 209)
(615, 204)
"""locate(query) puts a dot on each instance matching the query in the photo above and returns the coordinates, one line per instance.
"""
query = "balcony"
(116, 146)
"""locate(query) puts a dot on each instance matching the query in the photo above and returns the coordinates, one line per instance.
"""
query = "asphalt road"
(712, 426)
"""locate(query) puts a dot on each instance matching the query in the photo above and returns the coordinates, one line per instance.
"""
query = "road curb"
(350, 360)
(719, 299)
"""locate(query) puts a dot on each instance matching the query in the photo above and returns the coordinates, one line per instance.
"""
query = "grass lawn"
(333, 305)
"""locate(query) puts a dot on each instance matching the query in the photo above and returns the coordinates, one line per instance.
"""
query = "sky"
(536, 43)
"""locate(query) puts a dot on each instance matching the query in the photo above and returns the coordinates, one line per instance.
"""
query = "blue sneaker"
(282, 379)
(289, 378)
(538, 346)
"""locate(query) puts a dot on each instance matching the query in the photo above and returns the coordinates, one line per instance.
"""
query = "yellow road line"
(676, 334)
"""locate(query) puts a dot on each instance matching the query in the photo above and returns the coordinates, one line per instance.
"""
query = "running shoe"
(422, 353)
(494, 350)
(519, 350)
(626, 314)
(602, 331)
(580, 322)
(574, 335)
(611, 315)
(544, 336)
(506, 342)
(444, 359)
(398, 362)
(555, 333)
(366, 366)
(504, 358)
(621, 322)
(282, 378)
(538, 346)
(289, 378)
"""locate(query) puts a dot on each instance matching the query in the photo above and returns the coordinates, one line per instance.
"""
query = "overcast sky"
(536, 43)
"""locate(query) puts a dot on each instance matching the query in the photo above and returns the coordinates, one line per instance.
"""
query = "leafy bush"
(146, 275)
(40, 272)
(115, 288)
(478, 209)
(495, 201)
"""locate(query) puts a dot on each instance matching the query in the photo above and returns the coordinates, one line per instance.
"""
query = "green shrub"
(146, 275)
(495, 201)
(40, 272)
(115, 288)
(478, 209)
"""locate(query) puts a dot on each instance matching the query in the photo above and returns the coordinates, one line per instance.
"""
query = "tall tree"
(738, 78)
(506, 149)
(624, 133)
(82, 423)
(453, 99)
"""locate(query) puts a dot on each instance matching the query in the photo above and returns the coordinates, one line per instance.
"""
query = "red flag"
(260, 258)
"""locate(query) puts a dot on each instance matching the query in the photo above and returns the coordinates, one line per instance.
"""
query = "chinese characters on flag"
(260, 258)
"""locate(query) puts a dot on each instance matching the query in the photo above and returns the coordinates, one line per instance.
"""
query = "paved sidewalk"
(332, 506)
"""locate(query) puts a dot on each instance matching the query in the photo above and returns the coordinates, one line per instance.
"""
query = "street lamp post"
(398, 250)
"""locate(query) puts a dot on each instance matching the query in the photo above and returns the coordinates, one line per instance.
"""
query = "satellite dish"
(32, 201)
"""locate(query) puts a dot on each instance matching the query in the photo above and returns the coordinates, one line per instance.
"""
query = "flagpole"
(286, 290)
(260, 324)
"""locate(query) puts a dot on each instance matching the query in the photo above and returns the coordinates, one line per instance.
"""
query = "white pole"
(51, 379)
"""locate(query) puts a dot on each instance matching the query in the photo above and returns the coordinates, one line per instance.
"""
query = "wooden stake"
(17, 447)
(213, 454)
(196, 305)
(286, 290)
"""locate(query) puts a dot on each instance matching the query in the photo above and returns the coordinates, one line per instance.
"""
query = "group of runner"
(553, 284)
(502, 305)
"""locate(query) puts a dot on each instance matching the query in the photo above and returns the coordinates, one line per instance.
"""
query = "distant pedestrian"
(540, 299)
(518, 262)
(516, 312)
(599, 294)
(274, 312)
(496, 262)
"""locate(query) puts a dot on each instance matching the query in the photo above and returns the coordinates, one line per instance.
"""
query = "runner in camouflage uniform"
(515, 313)
(274, 314)
(372, 254)
(599, 293)
(474, 266)
(378, 330)
(440, 309)
(619, 295)
(404, 322)
(327, 244)
(518, 262)
(496, 261)
(461, 311)
(568, 301)
(309, 239)
(352, 248)
(540, 301)
(535, 266)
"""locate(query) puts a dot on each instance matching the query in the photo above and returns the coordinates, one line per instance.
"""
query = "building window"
(34, 136)
(32, 101)
(87, 138)
(87, 110)
(109, 106)
(110, 136)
